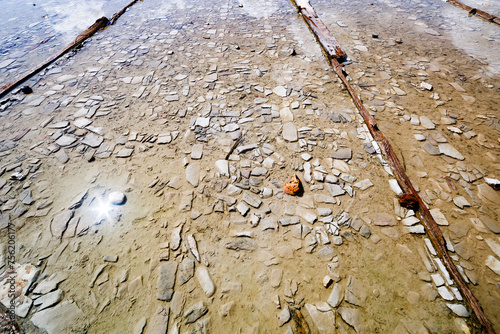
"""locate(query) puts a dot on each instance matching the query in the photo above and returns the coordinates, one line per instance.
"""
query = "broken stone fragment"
(166, 281)
(63, 318)
(205, 281)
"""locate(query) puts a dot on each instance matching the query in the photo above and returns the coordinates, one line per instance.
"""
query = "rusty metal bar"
(431, 227)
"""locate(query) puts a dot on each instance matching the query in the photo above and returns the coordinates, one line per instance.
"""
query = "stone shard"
(492, 263)
(342, 154)
(450, 151)
(222, 167)
(63, 318)
(324, 321)
(59, 223)
(251, 200)
(384, 219)
(92, 140)
(356, 292)
(488, 194)
(352, 317)
(336, 295)
(159, 321)
(195, 312)
(166, 281)
(193, 174)
(186, 270)
(24, 276)
(205, 281)
(280, 91)
(290, 132)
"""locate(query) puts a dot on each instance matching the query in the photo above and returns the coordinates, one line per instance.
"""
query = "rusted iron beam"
(476, 12)
(430, 225)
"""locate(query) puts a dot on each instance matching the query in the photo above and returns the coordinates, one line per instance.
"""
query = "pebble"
(116, 198)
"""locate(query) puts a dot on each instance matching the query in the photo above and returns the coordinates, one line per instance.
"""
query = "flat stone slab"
(384, 219)
(352, 317)
(488, 194)
(59, 223)
(324, 321)
(290, 132)
(62, 318)
(186, 271)
(450, 151)
(280, 91)
(342, 154)
(125, 153)
(166, 281)
(197, 151)
(82, 122)
(92, 140)
(427, 123)
(65, 140)
(193, 174)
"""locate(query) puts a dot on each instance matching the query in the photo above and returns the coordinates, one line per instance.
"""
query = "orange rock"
(292, 187)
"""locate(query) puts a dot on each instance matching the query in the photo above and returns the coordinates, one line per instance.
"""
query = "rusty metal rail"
(431, 227)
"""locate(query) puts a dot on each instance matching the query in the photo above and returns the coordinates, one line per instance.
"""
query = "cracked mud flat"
(151, 106)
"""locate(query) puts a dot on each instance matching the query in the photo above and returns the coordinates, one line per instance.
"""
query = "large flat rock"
(64, 318)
